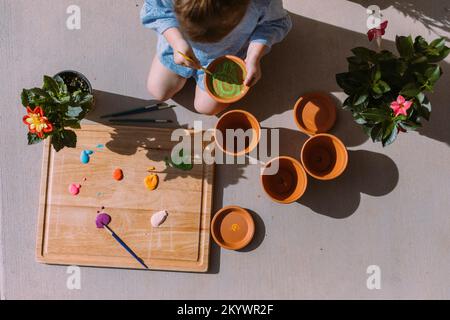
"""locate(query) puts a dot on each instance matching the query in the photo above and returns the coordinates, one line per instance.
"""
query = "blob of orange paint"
(118, 174)
(151, 181)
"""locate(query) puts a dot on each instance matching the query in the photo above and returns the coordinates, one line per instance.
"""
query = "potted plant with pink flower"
(61, 103)
(387, 92)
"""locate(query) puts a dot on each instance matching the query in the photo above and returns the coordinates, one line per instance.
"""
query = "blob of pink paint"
(74, 189)
(103, 219)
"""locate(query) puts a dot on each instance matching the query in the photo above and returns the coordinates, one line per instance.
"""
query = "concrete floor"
(390, 209)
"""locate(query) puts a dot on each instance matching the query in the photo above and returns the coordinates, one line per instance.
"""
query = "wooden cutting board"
(67, 233)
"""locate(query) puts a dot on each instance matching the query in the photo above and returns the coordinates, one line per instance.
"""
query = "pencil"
(192, 61)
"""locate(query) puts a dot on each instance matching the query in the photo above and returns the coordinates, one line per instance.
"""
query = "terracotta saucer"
(315, 113)
(232, 228)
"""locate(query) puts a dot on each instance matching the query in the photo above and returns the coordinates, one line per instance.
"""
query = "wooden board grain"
(66, 226)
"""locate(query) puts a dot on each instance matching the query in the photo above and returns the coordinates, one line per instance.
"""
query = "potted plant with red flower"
(61, 103)
(387, 92)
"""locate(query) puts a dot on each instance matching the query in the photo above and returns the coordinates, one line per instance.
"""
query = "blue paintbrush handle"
(124, 245)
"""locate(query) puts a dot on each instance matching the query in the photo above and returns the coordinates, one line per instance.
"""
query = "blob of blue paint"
(85, 156)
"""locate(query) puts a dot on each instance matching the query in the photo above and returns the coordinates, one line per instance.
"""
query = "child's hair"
(209, 20)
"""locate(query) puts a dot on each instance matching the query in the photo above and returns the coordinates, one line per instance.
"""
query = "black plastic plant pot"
(75, 80)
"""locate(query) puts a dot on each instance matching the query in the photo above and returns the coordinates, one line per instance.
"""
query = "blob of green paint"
(227, 81)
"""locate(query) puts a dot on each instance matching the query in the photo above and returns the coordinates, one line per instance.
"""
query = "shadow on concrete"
(260, 233)
(368, 172)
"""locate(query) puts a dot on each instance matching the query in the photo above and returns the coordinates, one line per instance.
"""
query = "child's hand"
(253, 71)
(184, 47)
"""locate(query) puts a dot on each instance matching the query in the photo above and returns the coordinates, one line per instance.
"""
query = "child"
(205, 30)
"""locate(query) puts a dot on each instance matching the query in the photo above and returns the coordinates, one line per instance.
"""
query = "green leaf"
(420, 44)
(380, 88)
(433, 74)
(388, 127)
(376, 75)
(33, 138)
(424, 109)
(342, 80)
(69, 138)
(51, 85)
(73, 112)
(441, 56)
(391, 138)
(383, 86)
(367, 130)
(61, 85)
(360, 99)
(182, 166)
(420, 97)
(420, 59)
(375, 115)
(72, 123)
(364, 54)
(405, 46)
(377, 133)
(410, 90)
(409, 125)
(438, 43)
(25, 97)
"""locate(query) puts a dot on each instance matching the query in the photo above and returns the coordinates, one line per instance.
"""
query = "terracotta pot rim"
(250, 232)
(304, 176)
(334, 138)
(243, 92)
(300, 125)
(258, 131)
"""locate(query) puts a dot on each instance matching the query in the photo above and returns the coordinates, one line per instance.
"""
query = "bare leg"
(163, 83)
(205, 104)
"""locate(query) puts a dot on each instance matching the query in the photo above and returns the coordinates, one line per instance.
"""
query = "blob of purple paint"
(103, 219)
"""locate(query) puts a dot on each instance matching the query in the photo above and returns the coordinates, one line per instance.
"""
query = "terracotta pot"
(324, 156)
(288, 184)
(315, 113)
(232, 228)
(238, 119)
(227, 84)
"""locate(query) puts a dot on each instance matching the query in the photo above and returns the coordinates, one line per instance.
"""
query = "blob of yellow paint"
(235, 227)
(151, 181)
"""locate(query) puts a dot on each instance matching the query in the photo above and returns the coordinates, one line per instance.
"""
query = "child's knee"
(208, 108)
(158, 91)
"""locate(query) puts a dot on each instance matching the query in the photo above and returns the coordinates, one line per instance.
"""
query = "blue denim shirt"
(265, 22)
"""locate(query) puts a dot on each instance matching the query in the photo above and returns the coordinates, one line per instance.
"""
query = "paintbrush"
(123, 244)
(149, 108)
(192, 61)
(141, 120)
